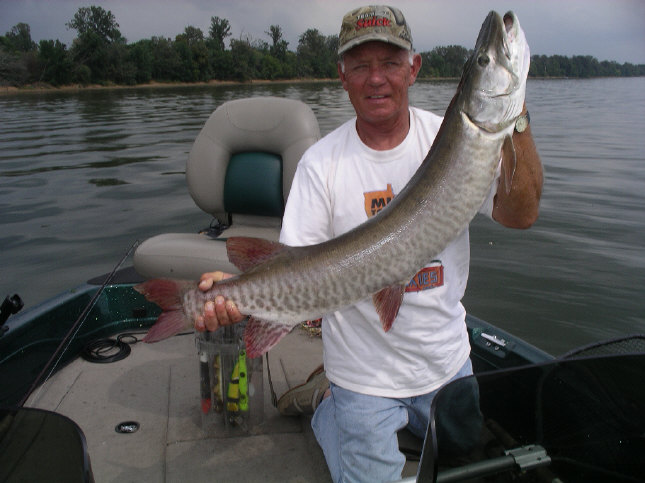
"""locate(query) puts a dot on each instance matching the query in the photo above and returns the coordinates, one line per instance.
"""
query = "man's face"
(377, 76)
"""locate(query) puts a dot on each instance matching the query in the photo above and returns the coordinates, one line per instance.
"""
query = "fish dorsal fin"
(510, 162)
(387, 303)
(246, 252)
(261, 335)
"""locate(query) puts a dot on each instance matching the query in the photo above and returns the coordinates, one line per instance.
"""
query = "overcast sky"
(605, 29)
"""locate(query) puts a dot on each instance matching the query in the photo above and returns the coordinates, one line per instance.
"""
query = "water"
(85, 174)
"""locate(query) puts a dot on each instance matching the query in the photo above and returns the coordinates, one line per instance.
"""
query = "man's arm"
(519, 207)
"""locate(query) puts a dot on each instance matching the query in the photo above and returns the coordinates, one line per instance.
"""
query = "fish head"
(494, 79)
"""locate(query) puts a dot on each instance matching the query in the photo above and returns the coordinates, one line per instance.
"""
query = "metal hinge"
(529, 456)
(494, 339)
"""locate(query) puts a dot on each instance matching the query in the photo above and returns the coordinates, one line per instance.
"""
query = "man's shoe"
(305, 398)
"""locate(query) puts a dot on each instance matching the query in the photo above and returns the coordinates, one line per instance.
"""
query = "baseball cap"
(374, 22)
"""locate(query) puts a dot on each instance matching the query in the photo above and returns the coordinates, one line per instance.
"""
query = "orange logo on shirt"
(375, 201)
(428, 277)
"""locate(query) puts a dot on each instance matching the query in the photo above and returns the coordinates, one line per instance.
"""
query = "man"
(376, 383)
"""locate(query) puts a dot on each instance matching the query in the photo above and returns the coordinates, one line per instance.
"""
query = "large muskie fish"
(281, 286)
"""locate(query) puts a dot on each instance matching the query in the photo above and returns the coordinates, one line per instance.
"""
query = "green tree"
(317, 54)
(278, 48)
(56, 64)
(192, 36)
(556, 66)
(98, 47)
(140, 54)
(18, 39)
(453, 58)
(247, 60)
(432, 65)
(270, 68)
(90, 51)
(583, 66)
(194, 54)
(537, 67)
(13, 69)
(97, 21)
(120, 68)
(290, 65)
(222, 64)
(185, 73)
(166, 62)
(608, 68)
(220, 29)
(18, 56)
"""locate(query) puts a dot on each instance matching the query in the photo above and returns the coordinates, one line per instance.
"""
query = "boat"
(83, 400)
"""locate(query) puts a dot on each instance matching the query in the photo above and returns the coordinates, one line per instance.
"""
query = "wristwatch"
(522, 122)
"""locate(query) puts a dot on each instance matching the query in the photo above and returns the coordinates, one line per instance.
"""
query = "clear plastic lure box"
(231, 384)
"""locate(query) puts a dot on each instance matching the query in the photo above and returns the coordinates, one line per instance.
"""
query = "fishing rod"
(76, 326)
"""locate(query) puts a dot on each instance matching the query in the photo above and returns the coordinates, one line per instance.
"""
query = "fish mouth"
(469, 120)
(491, 129)
(510, 30)
(491, 77)
(494, 45)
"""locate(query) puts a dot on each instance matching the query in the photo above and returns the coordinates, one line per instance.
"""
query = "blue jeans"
(358, 433)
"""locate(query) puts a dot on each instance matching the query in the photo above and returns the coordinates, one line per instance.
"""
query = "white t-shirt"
(339, 183)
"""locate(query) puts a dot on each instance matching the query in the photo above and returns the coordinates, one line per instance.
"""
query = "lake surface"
(83, 175)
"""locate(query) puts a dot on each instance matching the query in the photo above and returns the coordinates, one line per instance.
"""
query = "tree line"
(101, 55)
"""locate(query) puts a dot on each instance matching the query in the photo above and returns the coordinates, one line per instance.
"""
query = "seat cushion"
(188, 255)
(285, 127)
(253, 184)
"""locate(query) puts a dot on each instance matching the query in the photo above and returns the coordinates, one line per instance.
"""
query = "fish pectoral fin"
(509, 162)
(247, 252)
(387, 303)
(168, 324)
(261, 335)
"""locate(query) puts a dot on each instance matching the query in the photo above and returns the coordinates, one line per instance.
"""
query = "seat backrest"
(244, 159)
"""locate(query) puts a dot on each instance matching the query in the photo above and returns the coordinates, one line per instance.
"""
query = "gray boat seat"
(239, 171)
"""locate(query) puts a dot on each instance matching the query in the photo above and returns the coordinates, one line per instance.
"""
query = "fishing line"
(67, 340)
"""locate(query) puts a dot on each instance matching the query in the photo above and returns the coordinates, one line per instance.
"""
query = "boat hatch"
(38, 445)
(573, 420)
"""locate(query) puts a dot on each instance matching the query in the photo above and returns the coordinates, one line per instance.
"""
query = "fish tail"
(167, 294)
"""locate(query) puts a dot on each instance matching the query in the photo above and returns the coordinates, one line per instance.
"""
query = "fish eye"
(483, 59)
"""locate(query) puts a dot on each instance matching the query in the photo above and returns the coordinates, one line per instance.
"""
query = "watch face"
(521, 124)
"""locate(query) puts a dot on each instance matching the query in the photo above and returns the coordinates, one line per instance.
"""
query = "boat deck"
(157, 385)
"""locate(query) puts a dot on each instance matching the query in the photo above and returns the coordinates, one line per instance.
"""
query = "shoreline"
(46, 88)
(41, 87)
